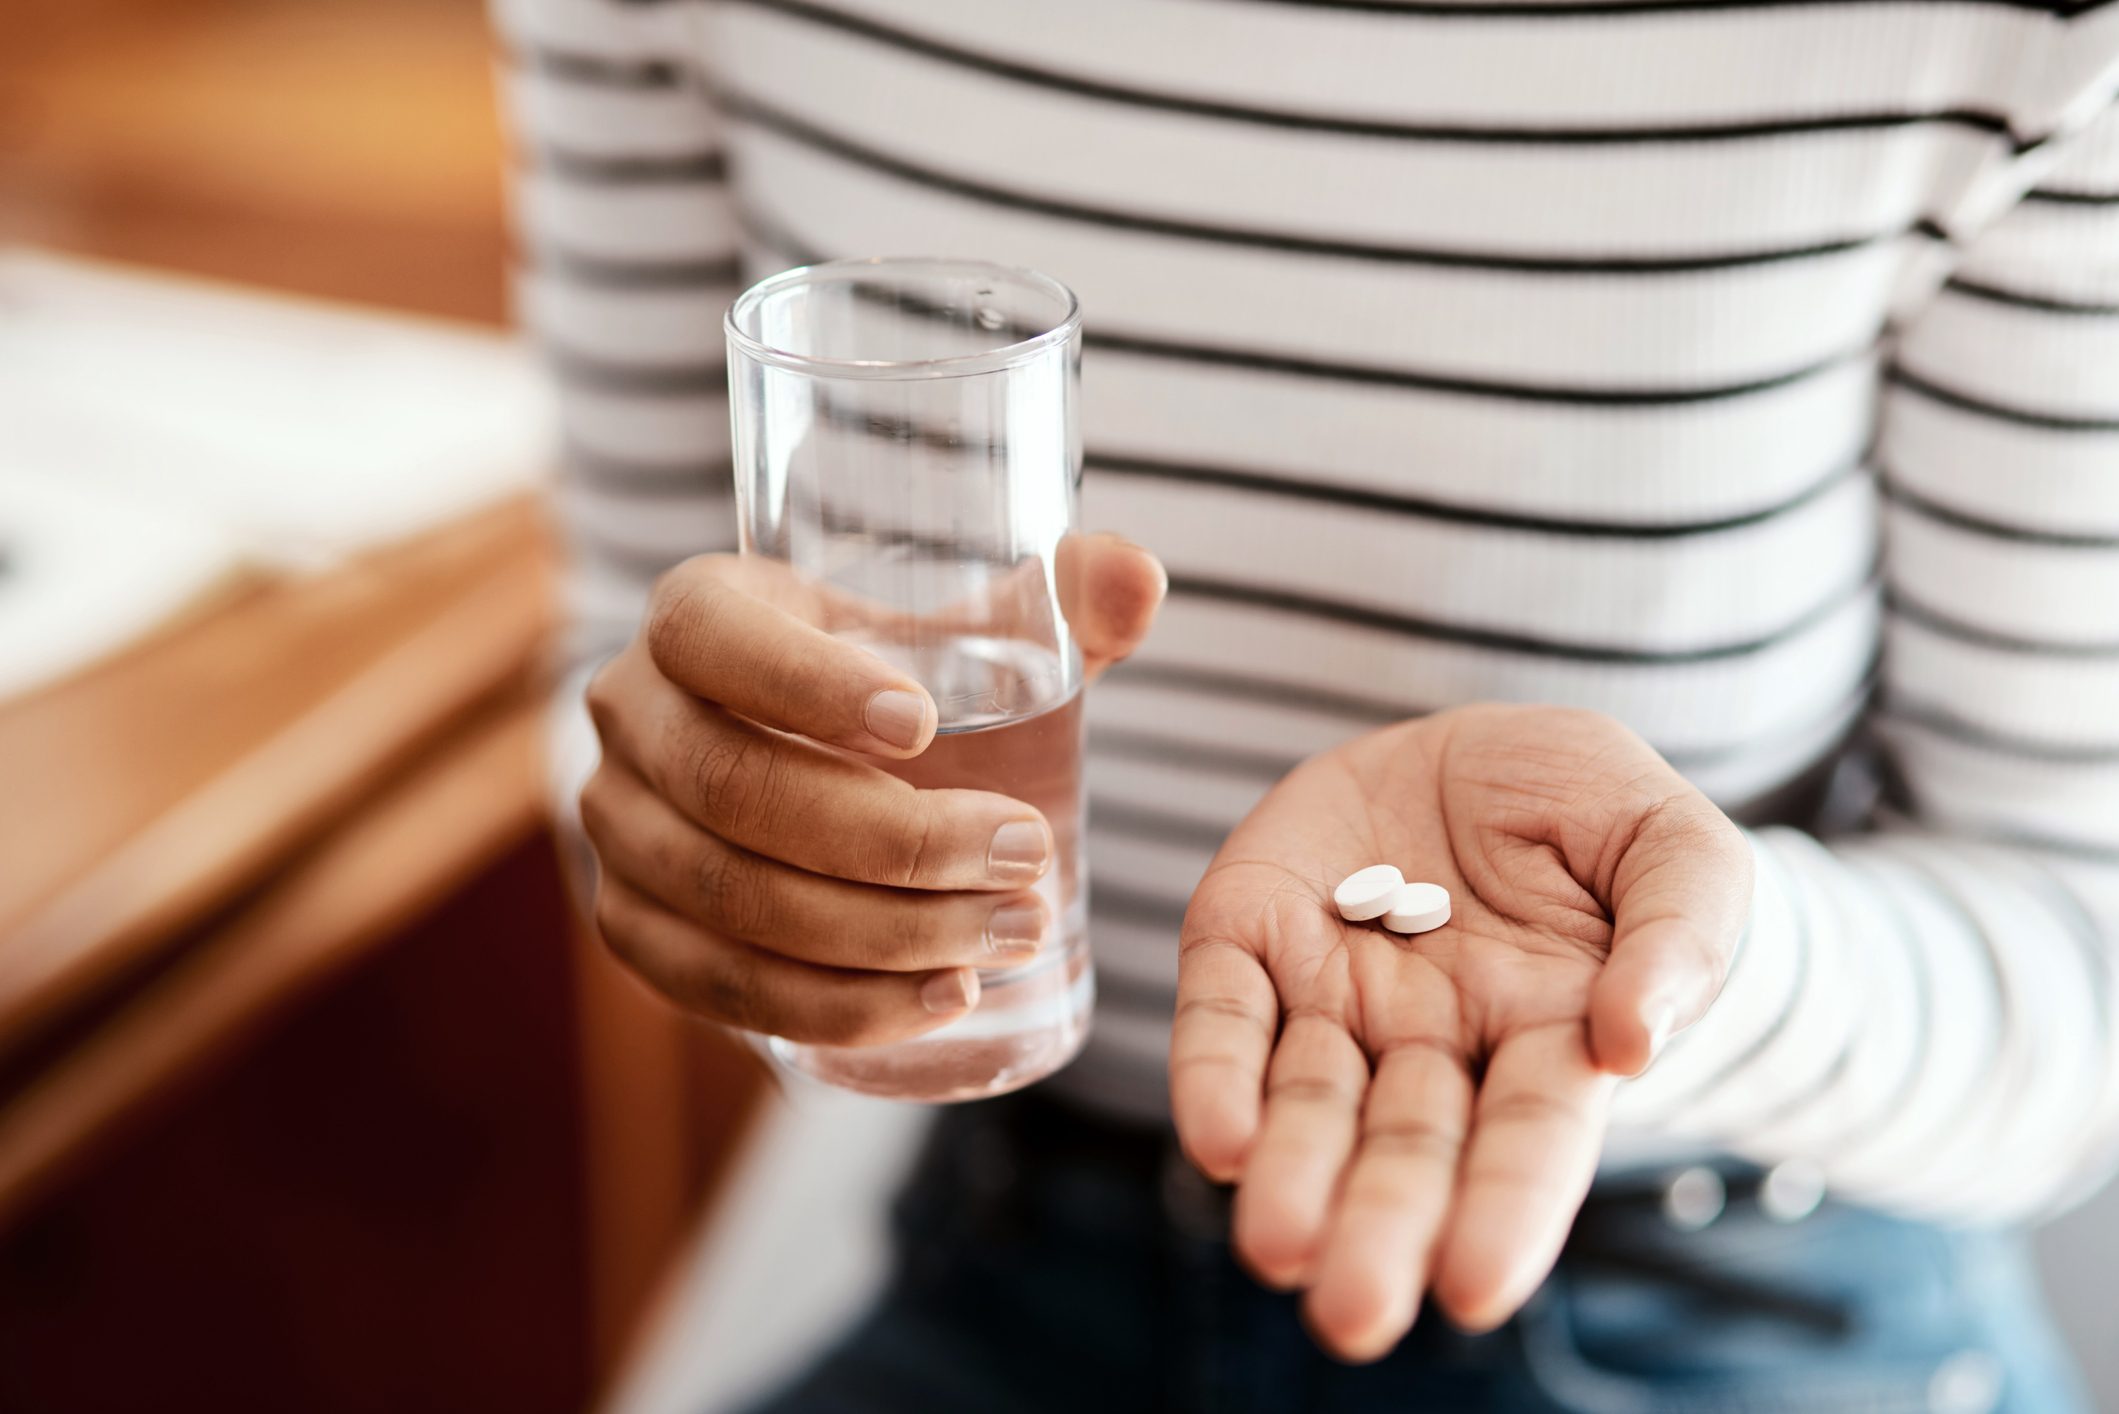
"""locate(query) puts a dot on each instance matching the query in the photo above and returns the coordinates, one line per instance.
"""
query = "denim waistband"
(990, 1144)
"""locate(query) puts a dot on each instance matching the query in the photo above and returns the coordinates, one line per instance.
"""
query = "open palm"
(1402, 1113)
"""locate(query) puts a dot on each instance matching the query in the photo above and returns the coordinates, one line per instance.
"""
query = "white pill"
(1417, 908)
(1366, 893)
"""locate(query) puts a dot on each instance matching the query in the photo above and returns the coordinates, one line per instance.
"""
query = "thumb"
(1680, 897)
(1109, 590)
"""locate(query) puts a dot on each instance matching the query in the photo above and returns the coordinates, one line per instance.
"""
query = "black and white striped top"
(1746, 369)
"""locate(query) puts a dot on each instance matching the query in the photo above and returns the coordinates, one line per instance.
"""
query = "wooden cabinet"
(311, 1095)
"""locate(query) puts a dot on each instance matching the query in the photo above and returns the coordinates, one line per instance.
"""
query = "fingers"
(1393, 1203)
(1109, 590)
(711, 635)
(744, 896)
(755, 990)
(1312, 1103)
(724, 645)
(1680, 898)
(1220, 1037)
(1536, 1132)
(792, 800)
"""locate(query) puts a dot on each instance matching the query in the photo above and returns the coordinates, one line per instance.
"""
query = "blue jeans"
(1051, 1261)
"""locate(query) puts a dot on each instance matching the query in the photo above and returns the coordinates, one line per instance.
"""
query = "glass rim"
(953, 366)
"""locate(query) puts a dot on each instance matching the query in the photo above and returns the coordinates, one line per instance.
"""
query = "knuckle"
(1698, 828)
(670, 618)
(909, 848)
(1713, 832)
(1418, 1139)
(770, 788)
(788, 662)
(1243, 1067)
(912, 931)
(721, 984)
(721, 768)
(1533, 1108)
(1231, 1009)
(725, 998)
(745, 780)
(713, 982)
(1688, 824)
(734, 893)
(1312, 1090)
(682, 613)
(1425, 1048)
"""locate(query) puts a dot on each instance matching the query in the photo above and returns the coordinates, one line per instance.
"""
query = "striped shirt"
(1745, 369)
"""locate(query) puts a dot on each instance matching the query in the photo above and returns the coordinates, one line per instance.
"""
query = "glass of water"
(906, 447)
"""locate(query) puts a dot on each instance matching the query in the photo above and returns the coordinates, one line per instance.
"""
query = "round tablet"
(1366, 893)
(1417, 908)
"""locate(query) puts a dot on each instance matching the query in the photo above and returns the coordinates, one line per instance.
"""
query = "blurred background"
(311, 1096)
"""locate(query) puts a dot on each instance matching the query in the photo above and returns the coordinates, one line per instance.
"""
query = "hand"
(1405, 1113)
(757, 866)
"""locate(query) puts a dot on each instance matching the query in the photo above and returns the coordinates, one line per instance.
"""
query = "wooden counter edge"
(277, 798)
(456, 812)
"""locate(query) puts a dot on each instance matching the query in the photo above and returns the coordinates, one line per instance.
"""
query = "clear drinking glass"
(906, 446)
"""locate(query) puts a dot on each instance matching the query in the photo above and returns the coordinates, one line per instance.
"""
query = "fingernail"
(1018, 850)
(896, 716)
(950, 991)
(1659, 1019)
(1162, 573)
(1016, 929)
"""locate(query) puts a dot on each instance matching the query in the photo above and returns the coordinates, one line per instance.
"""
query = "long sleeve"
(1927, 1010)
(1584, 368)
(627, 258)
